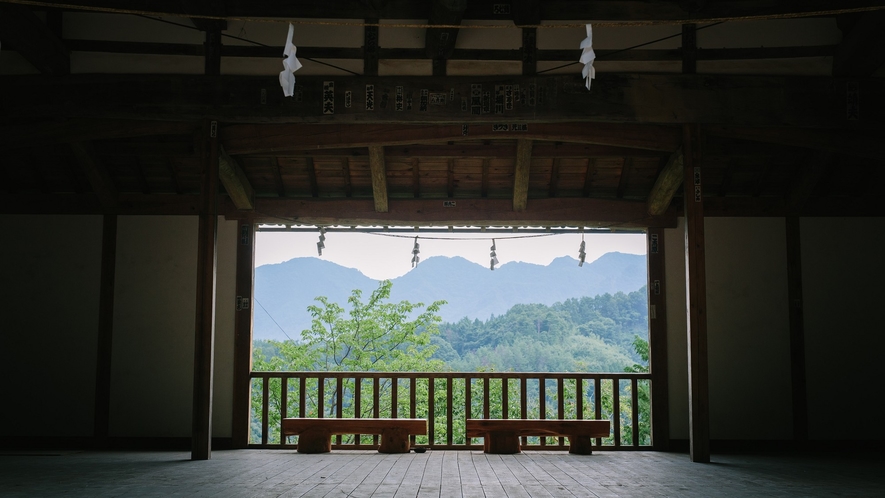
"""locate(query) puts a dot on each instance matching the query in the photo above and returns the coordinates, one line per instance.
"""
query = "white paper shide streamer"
(290, 65)
(587, 58)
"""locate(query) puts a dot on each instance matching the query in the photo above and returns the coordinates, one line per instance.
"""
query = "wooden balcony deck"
(360, 473)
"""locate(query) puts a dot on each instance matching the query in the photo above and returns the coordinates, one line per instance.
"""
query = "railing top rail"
(452, 375)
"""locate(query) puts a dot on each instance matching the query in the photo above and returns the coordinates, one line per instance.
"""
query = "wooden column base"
(580, 445)
(314, 442)
(394, 441)
(501, 443)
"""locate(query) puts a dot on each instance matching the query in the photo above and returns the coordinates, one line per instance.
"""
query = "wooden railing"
(447, 399)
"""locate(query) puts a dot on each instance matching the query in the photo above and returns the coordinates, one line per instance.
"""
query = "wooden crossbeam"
(235, 182)
(379, 177)
(22, 30)
(666, 185)
(807, 102)
(521, 173)
(862, 50)
(854, 143)
(575, 10)
(98, 175)
(440, 42)
(264, 139)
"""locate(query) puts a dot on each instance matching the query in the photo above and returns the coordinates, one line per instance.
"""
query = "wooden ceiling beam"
(39, 134)
(440, 42)
(22, 30)
(266, 139)
(521, 174)
(574, 10)
(469, 212)
(853, 143)
(235, 182)
(666, 185)
(378, 168)
(862, 50)
(99, 177)
(809, 102)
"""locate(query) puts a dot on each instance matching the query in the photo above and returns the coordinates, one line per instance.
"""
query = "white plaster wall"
(154, 317)
(154, 312)
(748, 329)
(677, 348)
(843, 273)
(50, 293)
(225, 305)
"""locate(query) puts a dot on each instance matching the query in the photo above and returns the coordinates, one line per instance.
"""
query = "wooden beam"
(40, 134)
(666, 185)
(554, 178)
(105, 330)
(235, 182)
(204, 336)
(696, 301)
(589, 176)
(689, 49)
(312, 177)
(862, 50)
(267, 139)
(574, 10)
(624, 180)
(657, 339)
(807, 102)
(586, 212)
(98, 175)
(852, 143)
(370, 48)
(22, 30)
(243, 334)
(521, 174)
(439, 42)
(529, 51)
(379, 177)
(484, 187)
(799, 396)
(810, 176)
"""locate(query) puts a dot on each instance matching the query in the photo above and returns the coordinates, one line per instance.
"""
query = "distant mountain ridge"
(285, 290)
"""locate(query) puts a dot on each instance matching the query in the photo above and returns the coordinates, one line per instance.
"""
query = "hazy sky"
(383, 257)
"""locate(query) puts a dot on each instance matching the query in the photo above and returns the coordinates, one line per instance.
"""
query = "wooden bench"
(501, 436)
(315, 434)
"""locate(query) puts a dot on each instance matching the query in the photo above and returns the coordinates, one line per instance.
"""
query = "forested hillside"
(590, 334)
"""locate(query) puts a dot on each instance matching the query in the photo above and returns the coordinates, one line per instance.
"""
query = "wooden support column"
(797, 331)
(378, 167)
(105, 330)
(243, 334)
(696, 301)
(204, 340)
(689, 49)
(521, 174)
(657, 341)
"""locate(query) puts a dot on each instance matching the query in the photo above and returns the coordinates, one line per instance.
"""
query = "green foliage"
(375, 335)
(590, 334)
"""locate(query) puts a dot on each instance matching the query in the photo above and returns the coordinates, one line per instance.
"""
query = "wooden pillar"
(105, 330)
(657, 339)
(243, 334)
(696, 300)
(797, 331)
(204, 342)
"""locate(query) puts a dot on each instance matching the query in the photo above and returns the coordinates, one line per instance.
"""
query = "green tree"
(373, 335)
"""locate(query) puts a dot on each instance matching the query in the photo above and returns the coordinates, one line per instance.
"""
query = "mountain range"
(284, 290)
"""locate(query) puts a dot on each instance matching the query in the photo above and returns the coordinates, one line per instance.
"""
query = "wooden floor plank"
(448, 474)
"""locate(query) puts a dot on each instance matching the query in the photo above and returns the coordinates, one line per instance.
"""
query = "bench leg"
(394, 441)
(580, 445)
(501, 443)
(314, 442)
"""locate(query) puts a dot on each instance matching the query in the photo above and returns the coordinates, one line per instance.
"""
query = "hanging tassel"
(290, 65)
(493, 255)
(415, 252)
(587, 58)
(321, 244)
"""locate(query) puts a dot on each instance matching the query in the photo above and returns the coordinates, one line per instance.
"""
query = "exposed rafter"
(440, 42)
(379, 177)
(666, 185)
(23, 31)
(862, 50)
(235, 182)
(99, 178)
(521, 174)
